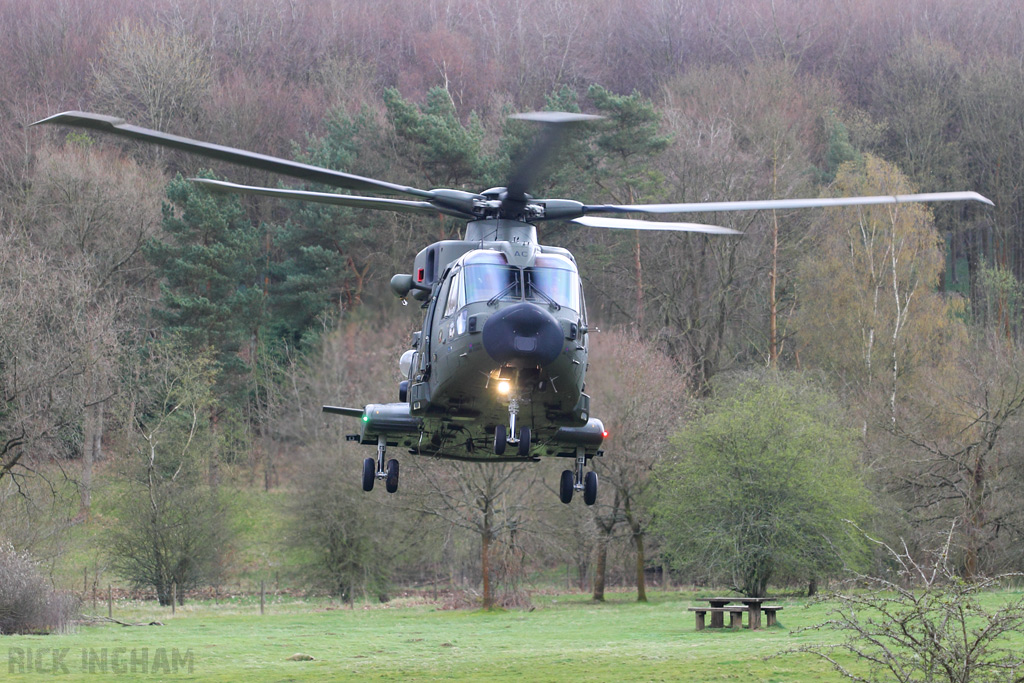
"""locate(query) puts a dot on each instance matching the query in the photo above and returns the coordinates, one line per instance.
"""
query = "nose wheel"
(578, 481)
(521, 440)
(376, 468)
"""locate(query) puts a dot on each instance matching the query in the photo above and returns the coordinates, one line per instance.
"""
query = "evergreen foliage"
(318, 254)
(210, 269)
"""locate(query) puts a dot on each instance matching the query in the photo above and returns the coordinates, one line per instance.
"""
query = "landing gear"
(524, 441)
(502, 434)
(590, 488)
(373, 469)
(369, 473)
(566, 487)
(391, 480)
(500, 440)
(578, 481)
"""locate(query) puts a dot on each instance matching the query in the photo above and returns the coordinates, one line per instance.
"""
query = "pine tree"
(210, 266)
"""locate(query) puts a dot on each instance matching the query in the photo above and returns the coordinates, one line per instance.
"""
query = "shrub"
(27, 602)
(923, 624)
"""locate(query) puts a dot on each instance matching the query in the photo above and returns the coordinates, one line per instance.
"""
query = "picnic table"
(718, 607)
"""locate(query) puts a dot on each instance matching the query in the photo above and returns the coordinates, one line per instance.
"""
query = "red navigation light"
(419, 275)
(604, 434)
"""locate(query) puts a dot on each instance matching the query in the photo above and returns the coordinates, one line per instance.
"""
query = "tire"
(590, 488)
(524, 442)
(500, 439)
(369, 473)
(391, 482)
(565, 489)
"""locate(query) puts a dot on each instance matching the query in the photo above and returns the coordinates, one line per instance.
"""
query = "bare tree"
(152, 77)
(89, 212)
(922, 624)
(173, 531)
(40, 388)
(962, 462)
(639, 395)
(722, 301)
(490, 500)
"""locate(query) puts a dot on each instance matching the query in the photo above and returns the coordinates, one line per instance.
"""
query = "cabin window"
(553, 280)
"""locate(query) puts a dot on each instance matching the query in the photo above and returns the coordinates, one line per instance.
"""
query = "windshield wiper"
(544, 295)
(508, 289)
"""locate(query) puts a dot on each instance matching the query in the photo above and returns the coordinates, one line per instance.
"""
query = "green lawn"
(566, 637)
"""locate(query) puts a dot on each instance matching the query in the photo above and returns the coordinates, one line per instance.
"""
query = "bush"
(923, 624)
(348, 544)
(760, 486)
(27, 603)
(172, 537)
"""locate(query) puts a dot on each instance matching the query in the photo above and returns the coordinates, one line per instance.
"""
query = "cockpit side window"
(453, 294)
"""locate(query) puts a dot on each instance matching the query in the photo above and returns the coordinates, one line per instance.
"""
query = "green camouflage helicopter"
(497, 371)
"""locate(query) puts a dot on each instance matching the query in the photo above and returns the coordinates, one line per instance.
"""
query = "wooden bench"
(735, 615)
(770, 612)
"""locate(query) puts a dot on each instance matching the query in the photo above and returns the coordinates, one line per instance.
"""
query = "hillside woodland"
(164, 352)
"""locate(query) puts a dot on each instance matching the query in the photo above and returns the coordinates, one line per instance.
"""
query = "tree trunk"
(641, 577)
(485, 568)
(975, 516)
(773, 304)
(163, 594)
(486, 536)
(600, 567)
(638, 541)
(639, 287)
(91, 444)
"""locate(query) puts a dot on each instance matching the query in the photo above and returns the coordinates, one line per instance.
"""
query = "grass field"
(565, 637)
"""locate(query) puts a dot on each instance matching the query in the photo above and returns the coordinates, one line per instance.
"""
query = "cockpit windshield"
(553, 279)
(488, 276)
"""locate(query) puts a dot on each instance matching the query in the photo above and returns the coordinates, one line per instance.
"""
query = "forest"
(830, 377)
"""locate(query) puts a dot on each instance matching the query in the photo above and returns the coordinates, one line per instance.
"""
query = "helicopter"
(497, 371)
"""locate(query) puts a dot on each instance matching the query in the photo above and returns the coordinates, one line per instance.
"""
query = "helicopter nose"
(523, 335)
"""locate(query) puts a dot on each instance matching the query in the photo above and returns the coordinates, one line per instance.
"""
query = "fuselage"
(504, 328)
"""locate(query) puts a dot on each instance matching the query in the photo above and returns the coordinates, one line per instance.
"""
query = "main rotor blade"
(116, 126)
(633, 224)
(382, 203)
(700, 207)
(555, 125)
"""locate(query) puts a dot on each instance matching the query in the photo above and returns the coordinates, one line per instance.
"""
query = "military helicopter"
(497, 371)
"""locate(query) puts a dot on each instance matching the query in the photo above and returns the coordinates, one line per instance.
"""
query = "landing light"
(504, 387)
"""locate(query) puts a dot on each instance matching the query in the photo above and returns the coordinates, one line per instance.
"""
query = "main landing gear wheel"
(391, 481)
(566, 487)
(369, 473)
(524, 441)
(577, 481)
(373, 469)
(500, 439)
(590, 488)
